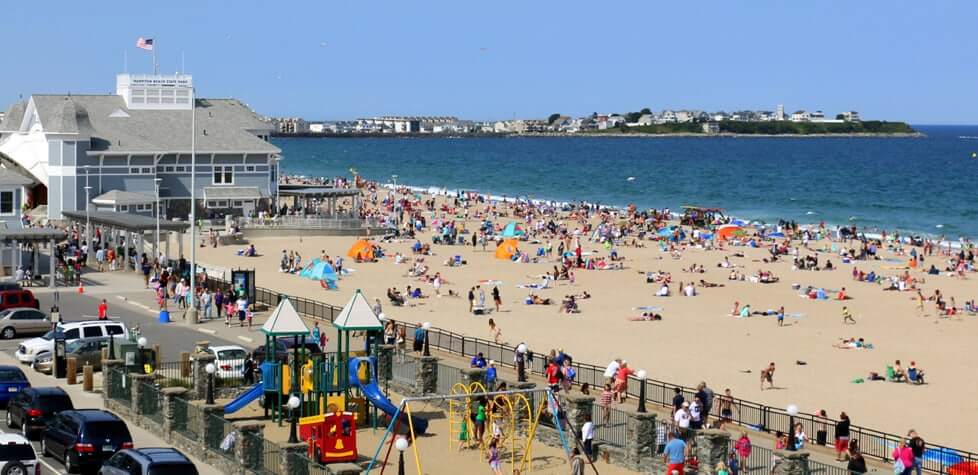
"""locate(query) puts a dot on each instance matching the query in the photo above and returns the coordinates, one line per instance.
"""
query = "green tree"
(632, 117)
(645, 110)
(553, 117)
(839, 117)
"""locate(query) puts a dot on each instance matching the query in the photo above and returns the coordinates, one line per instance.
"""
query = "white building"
(800, 116)
(850, 116)
(317, 128)
(779, 114)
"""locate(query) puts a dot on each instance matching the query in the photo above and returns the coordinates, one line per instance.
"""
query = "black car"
(284, 347)
(33, 408)
(85, 438)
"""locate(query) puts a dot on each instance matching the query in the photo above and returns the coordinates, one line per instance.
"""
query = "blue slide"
(373, 393)
(244, 399)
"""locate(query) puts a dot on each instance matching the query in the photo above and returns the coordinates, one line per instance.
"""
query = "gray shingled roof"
(223, 125)
(9, 176)
(231, 193)
(117, 197)
(13, 118)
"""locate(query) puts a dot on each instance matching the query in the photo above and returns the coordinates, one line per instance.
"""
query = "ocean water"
(916, 185)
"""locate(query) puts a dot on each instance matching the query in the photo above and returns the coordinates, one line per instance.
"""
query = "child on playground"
(492, 455)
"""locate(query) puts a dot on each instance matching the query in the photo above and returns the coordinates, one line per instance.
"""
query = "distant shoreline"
(900, 135)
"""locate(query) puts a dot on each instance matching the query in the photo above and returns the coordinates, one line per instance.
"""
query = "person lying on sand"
(646, 317)
(534, 299)
(706, 284)
(852, 344)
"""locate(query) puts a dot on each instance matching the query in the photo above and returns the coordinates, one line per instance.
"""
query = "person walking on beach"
(471, 299)
(494, 331)
(605, 402)
(577, 463)
(436, 283)
(842, 437)
(495, 297)
(781, 316)
(587, 436)
(674, 455)
(918, 446)
(847, 317)
(482, 297)
(103, 310)
(767, 374)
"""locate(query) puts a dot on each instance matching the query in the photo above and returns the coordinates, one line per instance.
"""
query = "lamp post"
(293, 404)
(792, 411)
(521, 363)
(88, 219)
(210, 368)
(641, 374)
(401, 444)
(157, 182)
(427, 328)
(141, 342)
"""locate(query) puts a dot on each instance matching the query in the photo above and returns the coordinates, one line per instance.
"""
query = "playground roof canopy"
(284, 321)
(357, 315)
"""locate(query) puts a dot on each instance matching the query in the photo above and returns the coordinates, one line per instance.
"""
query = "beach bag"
(898, 467)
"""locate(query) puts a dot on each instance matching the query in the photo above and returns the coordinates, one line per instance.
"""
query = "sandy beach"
(697, 339)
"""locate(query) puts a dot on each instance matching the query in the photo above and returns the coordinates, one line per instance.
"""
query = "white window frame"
(123, 208)
(13, 203)
(250, 168)
(223, 170)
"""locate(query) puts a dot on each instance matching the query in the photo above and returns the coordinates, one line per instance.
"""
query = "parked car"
(229, 361)
(33, 408)
(85, 438)
(150, 461)
(9, 285)
(35, 347)
(17, 298)
(12, 381)
(84, 350)
(283, 347)
(16, 322)
(17, 456)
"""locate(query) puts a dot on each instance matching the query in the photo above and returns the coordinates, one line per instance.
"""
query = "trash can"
(164, 316)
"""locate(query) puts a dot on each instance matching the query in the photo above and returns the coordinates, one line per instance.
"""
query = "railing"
(120, 389)
(174, 373)
(151, 402)
(874, 444)
(610, 430)
(404, 371)
(186, 418)
(311, 221)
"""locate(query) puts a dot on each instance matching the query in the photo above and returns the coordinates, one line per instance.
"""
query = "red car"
(18, 298)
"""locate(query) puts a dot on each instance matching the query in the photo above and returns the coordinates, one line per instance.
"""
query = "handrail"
(873, 443)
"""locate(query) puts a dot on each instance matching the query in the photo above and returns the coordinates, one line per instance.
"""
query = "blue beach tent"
(513, 230)
(319, 270)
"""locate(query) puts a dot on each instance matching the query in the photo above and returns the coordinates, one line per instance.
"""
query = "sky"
(332, 60)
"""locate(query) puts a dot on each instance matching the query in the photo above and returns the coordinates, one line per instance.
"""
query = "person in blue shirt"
(491, 376)
(418, 338)
(315, 333)
(478, 361)
(674, 455)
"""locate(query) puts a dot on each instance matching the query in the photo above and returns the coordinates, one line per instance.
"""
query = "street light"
(192, 311)
(401, 444)
(521, 363)
(141, 342)
(293, 404)
(210, 368)
(792, 411)
(157, 182)
(427, 327)
(641, 374)
(88, 220)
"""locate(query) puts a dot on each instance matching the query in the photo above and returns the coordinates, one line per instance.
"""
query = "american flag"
(145, 43)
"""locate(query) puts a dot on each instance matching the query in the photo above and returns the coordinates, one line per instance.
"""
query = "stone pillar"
(169, 408)
(137, 380)
(426, 377)
(211, 430)
(199, 374)
(639, 438)
(578, 408)
(711, 448)
(385, 362)
(473, 375)
(109, 376)
(293, 459)
(790, 463)
(248, 450)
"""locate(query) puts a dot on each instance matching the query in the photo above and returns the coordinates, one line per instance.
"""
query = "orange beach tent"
(362, 250)
(506, 249)
(728, 231)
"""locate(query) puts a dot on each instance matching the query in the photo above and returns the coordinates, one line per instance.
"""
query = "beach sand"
(697, 340)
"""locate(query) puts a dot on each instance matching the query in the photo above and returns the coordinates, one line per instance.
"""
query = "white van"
(31, 349)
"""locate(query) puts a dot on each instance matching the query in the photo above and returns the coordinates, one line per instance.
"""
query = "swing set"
(510, 414)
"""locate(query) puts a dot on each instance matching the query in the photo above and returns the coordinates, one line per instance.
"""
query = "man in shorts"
(767, 374)
(674, 455)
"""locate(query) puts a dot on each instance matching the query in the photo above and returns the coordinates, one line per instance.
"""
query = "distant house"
(800, 116)
(850, 116)
(817, 116)
(667, 116)
(14, 192)
(317, 128)
(711, 128)
(646, 119)
(684, 116)
(719, 116)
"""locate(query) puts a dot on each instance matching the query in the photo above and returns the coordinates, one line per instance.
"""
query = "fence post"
(136, 392)
(211, 425)
(293, 459)
(579, 408)
(169, 408)
(426, 375)
(385, 362)
(711, 448)
(249, 449)
(639, 438)
(463, 346)
(184, 364)
(790, 463)
(200, 362)
(111, 371)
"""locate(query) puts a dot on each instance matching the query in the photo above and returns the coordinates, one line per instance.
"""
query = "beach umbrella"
(776, 235)
(506, 249)
(513, 229)
(665, 232)
(362, 249)
(728, 231)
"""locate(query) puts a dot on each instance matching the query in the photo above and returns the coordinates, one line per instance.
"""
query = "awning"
(232, 193)
(117, 197)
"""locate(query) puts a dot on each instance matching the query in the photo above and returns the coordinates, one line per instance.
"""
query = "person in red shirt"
(553, 376)
(103, 310)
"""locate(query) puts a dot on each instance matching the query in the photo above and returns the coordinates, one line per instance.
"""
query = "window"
(12, 299)
(168, 169)
(237, 204)
(6, 202)
(249, 168)
(124, 208)
(71, 334)
(90, 332)
(181, 169)
(113, 329)
(223, 175)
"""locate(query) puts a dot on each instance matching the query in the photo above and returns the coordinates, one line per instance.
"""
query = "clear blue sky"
(900, 60)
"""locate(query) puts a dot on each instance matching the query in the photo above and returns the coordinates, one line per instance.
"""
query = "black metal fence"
(874, 444)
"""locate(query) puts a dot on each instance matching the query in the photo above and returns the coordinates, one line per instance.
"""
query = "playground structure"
(334, 390)
(510, 420)
(519, 435)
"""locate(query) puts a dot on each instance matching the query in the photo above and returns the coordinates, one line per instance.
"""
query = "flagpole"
(156, 69)
(192, 311)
